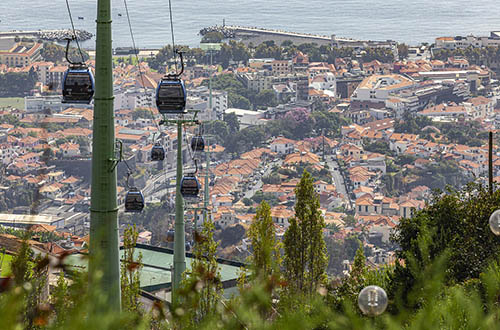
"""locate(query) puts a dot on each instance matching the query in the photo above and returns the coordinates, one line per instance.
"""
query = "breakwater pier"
(49, 35)
(258, 35)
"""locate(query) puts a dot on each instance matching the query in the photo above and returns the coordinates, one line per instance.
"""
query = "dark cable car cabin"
(171, 92)
(190, 187)
(171, 96)
(78, 85)
(134, 200)
(197, 143)
(157, 153)
(170, 235)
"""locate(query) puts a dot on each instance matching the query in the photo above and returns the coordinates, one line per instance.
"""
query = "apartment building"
(21, 54)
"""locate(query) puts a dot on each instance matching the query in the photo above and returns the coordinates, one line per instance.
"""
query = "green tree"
(266, 257)
(238, 101)
(402, 51)
(239, 52)
(219, 128)
(130, 269)
(31, 273)
(52, 52)
(455, 223)
(305, 258)
(354, 283)
(266, 98)
(232, 122)
(213, 37)
(379, 146)
(204, 275)
(269, 198)
(9, 119)
(16, 84)
(61, 300)
(142, 113)
(21, 264)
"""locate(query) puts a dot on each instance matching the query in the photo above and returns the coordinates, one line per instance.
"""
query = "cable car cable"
(74, 32)
(172, 32)
(137, 60)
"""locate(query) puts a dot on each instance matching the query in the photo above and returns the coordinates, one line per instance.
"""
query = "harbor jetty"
(49, 35)
(258, 35)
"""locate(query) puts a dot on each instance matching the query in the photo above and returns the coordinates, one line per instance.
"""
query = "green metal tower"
(104, 262)
(179, 226)
(179, 235)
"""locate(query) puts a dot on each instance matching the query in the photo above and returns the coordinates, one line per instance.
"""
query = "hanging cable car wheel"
(157, 153)
(134, 200)
(197, 143)
(190, 187)
(171, 96)
(78, 85)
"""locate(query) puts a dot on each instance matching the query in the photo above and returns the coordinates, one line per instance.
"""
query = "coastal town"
(381, 127)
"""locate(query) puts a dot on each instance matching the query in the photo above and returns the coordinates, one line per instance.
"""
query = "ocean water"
(401, 20)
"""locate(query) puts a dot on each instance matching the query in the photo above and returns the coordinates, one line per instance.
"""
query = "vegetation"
(130, 269)
(411, 124)
(296, 124)
(52, 52)
(304, 248)
(449, 278)
(14, 102)
(202, 288)
(214, 37)
(379, 146)
(299, 168)
(269, 198)
(479, 56)
(238, 52)
(266, 256)
(467, 133)
(17, 84)
(435, 175)
(5, 260)
(142, 113)
(456, 224)
(402, 51)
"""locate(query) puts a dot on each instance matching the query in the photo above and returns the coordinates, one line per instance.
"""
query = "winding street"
(338, 179)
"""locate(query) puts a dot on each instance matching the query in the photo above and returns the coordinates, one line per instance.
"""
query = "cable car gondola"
(78, 81)
(197, 143)
(171, 93)
(190, 187)
(171, 96)
(157, 153)
(134, 200)
(78, 85)
(170, 235)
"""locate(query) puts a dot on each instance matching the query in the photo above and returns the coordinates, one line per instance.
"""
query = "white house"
(325, 82)
(283, 146)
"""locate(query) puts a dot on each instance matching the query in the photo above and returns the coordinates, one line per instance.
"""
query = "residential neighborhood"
(378, 137)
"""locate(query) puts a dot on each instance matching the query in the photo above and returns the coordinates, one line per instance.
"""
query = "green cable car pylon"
(104, 261)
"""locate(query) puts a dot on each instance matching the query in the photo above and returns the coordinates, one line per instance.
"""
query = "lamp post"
(372, 300)
(210, 47)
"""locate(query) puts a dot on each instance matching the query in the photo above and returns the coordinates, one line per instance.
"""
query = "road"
(338, 179)
(258, 186)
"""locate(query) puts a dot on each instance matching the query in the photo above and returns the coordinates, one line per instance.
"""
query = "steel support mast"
(179, 238)
(104, 262)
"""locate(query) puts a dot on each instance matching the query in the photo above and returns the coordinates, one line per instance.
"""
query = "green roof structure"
(157, 267)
